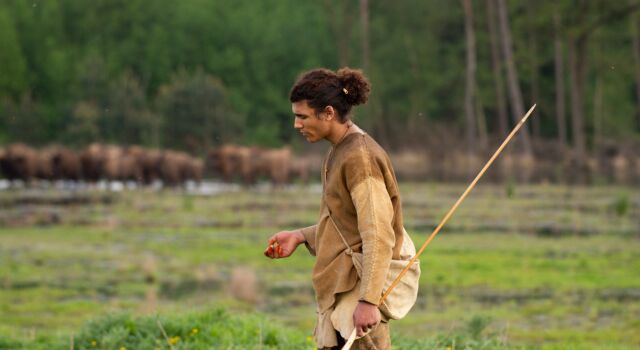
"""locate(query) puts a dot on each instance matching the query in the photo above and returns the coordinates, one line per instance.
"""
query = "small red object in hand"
(274, 250)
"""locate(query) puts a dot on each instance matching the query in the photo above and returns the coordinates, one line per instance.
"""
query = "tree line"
(196, 73)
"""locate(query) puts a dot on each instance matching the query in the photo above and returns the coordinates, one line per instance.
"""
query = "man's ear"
(329, 112)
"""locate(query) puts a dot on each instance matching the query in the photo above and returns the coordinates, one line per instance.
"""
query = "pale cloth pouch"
(404, 295)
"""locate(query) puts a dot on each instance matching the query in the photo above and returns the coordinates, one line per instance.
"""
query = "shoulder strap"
(349, 250)
(324, 183)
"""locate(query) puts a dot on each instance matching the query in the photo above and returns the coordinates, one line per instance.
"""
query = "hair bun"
(354, 85)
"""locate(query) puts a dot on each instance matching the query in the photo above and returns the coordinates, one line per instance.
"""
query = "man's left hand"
(365, 318)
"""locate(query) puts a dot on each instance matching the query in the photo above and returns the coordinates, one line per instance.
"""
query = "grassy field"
(552, 267)
(219, 329)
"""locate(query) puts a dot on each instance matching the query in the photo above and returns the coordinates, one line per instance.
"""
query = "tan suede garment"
(362, 195)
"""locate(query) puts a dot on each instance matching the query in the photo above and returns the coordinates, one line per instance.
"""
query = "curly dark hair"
(322, 87)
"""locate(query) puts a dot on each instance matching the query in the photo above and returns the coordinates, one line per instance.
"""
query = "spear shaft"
(448, 215)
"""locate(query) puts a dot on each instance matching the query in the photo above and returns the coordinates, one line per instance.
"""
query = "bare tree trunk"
(577, 65)
(517, 107)
(559, 72)
(598, 103)
(578, 68)
(635, 42)
(496, 64)
(416, 124)
(577, 53)
(469, 96)
(364, 20)
(598, 111)
(340, 22)
(533, 55)
(483, 137)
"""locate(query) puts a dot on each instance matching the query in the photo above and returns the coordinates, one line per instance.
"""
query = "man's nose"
(297, 123)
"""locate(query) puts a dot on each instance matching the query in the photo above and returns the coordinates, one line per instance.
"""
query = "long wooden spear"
(515, 130)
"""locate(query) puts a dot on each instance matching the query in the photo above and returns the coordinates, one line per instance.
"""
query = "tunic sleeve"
(309, 234)
(375, 215)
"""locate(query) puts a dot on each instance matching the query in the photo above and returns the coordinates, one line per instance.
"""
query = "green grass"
(574, 286)
(202, 330)
(219, 329)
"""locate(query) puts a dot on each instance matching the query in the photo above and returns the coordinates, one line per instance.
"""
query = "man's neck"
(340, 132)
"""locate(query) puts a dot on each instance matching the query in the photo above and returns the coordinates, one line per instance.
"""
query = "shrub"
(621, 204)
(219, 329)
(204, 330)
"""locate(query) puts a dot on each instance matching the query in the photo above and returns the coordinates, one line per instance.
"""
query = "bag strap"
(349, 250)
(324, 183)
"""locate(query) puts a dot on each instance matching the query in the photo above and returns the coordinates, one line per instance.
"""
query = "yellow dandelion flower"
(174, 340)
(309, 339)
(448, 348)
(123, 348)
(194, 331)
(94, 343)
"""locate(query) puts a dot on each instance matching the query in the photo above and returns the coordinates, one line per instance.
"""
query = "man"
(360, 212)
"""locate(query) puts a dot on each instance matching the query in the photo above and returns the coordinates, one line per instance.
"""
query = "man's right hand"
(283, 244)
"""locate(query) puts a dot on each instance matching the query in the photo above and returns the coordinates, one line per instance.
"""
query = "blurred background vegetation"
(192, 74)
(542, 266)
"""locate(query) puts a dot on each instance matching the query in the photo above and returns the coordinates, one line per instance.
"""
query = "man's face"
(312, 125)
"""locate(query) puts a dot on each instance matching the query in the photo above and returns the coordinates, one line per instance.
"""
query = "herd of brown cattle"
(98, 162)
(145, 166)
(248, 164)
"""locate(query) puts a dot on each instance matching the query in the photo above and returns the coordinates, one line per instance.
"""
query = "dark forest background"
(193, 74)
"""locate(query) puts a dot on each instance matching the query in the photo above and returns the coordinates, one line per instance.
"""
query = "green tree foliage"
(411, 80)
(100, 70)
(127, 119)
(195, 112)
(14, 78)
(83, 126)
(23, 120)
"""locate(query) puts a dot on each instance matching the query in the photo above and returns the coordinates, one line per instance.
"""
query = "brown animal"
(66, 164)
(176, 167)
(151, 165)
(213, 162)
(170, 168)
(3, 162)
(149, 161)
(248, 160)
(103, 162)
(231, 161)
(92, 160)
(300, 168)
(20, 162)
(635, 177)
(275, 164)
(45, 163)
(195, 169)
(223, 161)
(129, 169)
(56, 162)
(112, 157)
